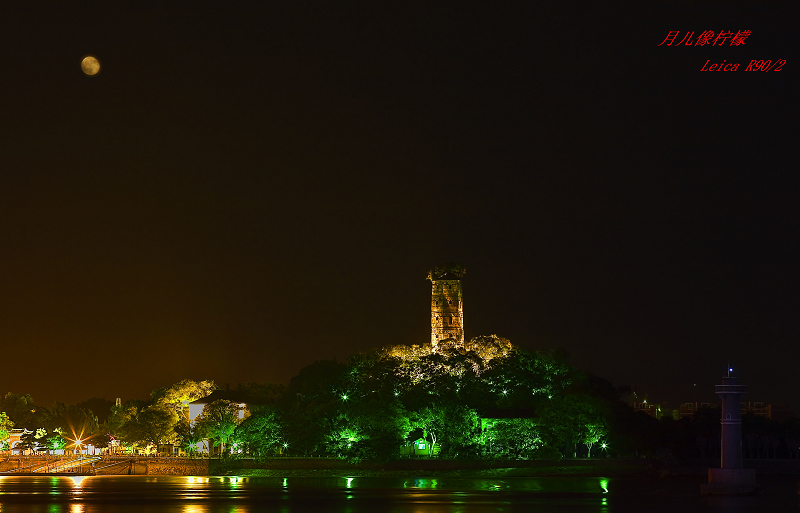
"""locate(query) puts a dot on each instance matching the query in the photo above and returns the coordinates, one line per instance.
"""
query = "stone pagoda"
(447, 309)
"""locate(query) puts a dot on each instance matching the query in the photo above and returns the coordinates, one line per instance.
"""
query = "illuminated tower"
(447, 311)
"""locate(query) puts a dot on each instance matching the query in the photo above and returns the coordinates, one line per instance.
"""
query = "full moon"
(90, 65)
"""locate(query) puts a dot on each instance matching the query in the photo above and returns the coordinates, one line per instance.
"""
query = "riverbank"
(430, 468)
(608, 467)
(332, 467)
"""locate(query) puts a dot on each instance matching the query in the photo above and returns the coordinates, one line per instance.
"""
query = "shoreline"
(409, 468)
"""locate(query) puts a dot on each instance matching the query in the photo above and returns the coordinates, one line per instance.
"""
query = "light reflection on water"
(236, 494)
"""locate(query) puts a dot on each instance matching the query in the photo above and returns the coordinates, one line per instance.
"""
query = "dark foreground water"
(117, 494)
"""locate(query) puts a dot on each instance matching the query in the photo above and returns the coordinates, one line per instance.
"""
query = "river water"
(160, 494)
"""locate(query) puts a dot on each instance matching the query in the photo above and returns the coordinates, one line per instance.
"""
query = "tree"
(27, 442)
(345, 440)
(218, 421)
(513, 438)
(179, 395)
(56, 440)
(99, 407)
(6, 425)
(431, 421)
(144, 426)
(462, 436)
(79, 422)
(121, 415)
(311, 405)
(260, 435)
(157, 426)
(187, 435)
(594, 431)
(573, 419)
(20, 409)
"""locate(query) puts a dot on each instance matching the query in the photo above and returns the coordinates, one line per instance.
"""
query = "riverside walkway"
(89, 465)
(68, 465)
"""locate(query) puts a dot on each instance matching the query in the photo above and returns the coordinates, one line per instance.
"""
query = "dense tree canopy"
(483, 399)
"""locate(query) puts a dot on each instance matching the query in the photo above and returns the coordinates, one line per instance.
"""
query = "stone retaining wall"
(173, 467)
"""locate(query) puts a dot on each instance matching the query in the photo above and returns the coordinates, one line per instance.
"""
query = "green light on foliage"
(344, 397)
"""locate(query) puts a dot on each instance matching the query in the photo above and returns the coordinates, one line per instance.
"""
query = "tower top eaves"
(448, 271)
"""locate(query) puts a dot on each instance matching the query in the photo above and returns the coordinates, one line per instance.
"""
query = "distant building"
(447, 310)
(418, 445)
(15, 438)
(690, 409)
(652, 409)
(757, 408)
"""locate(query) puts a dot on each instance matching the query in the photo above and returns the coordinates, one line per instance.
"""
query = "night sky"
(248, 187)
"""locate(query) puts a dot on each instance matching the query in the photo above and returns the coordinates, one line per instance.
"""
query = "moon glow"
(90, 65)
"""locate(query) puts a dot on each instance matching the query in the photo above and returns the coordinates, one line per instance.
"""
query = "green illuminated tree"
(260, 435)
(345, 441)
(56, 440)
(6, 425)
(431, 421)
(218, 421)
(593, 432)
(374, 409)
(573, 419)
(512, 438)
(461, 437)
(310, 408)
(383, 424)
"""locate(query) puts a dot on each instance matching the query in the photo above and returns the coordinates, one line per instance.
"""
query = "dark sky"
(247, 187)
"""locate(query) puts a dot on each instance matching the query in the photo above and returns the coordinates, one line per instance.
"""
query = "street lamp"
(80, 456)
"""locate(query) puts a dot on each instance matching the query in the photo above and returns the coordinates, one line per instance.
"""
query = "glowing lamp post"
(80, 456)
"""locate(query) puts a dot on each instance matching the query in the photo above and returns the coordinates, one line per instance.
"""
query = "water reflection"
(421, 483)
(77, 481)
(194, 508)
(237, 494)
